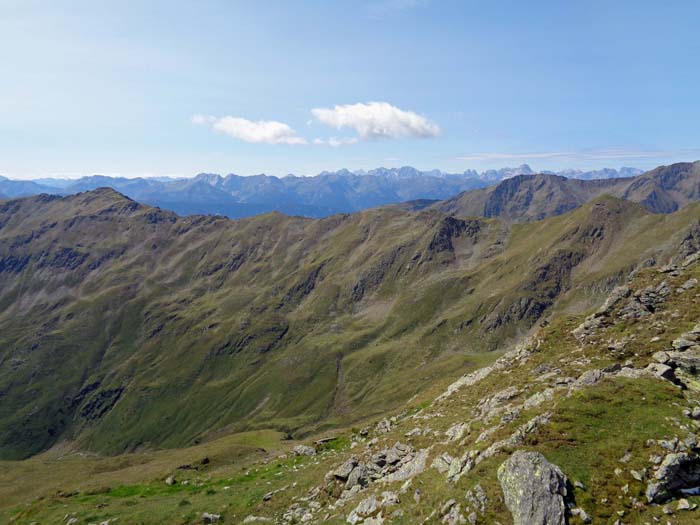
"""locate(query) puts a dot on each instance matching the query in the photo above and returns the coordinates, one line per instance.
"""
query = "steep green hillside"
(123, 327)
(606, 404)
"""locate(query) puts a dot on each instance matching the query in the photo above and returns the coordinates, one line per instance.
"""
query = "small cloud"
(255, 132)
(377, 120)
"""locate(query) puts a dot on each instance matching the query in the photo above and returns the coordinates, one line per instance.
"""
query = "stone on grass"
(533, 489)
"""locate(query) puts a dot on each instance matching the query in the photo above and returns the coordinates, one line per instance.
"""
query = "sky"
(137, 88)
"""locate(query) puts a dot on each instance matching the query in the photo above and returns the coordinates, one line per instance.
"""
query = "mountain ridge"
(342, 191)
(534, 197)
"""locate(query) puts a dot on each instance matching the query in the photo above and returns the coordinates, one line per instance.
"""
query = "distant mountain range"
(325, 194)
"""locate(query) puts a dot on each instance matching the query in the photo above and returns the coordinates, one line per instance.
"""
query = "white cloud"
(377, 120)
(256, 132)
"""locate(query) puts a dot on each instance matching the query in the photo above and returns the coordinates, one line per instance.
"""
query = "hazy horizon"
(74, 176)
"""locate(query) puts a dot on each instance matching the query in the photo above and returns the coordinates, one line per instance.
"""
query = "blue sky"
(171, 87)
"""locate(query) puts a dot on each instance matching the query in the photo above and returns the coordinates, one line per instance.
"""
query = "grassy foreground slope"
(586, 392)
(124, 327)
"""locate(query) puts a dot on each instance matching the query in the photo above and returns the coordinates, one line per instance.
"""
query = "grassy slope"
(130, 328)
(589, 432)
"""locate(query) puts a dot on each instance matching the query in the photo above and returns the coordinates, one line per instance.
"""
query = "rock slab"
(533, 489)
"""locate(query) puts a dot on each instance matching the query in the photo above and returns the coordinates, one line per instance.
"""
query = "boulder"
(677, 471)
(456, 431)
(367, 507)
(343, 471)
(618, 293)
(210, 518)
(588, 378)
(533, 489)
(358, 476)
(442, 462)
(661, 371)
(411, 468)
(684, 342)
(661, 357)
(304, 450)
(688, 360)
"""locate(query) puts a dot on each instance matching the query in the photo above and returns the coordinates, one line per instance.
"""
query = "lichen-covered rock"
(533, 489)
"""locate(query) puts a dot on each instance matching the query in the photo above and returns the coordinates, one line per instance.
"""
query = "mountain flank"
(124, 327)
(600, 409)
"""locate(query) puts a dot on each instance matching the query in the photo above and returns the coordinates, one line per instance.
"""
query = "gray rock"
(533, 489)
(683, 504)
(461, 466)
(661, 357)
(364, 509)
(582, 514)
(456, 431)
(344, 470)
(358, 476)
(417, 431)
(409, 469)
(477, 498)
(304, 450)
(661, 371)
(383, 426)
(634, 309)
(397, 453)
(454, 516)
(390, 498)
(688, 360)
(691, 259)
(591, 377)
(677, 471)
(170, 480)
(684, 342)
(617, 294)
(690, 283)
(537, 399)
(210, 518)
(442, 462)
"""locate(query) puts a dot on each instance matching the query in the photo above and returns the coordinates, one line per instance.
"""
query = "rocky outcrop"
(677, 471)
(601, 317)
(533, 489)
